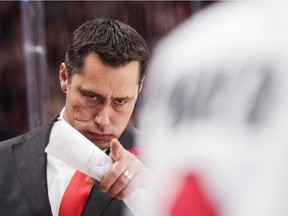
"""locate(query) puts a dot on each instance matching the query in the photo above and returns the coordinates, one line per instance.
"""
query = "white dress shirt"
(59, 175)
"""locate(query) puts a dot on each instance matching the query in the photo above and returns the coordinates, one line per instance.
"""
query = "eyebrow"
(102, 96)
(122, 98)
(91, 92)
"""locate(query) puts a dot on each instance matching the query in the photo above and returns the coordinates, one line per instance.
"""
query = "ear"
(141, 85)
(63, 77)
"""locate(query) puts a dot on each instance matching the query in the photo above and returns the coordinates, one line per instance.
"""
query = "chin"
(101, 145)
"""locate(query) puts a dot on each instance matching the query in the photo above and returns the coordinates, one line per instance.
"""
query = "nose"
(102, 117)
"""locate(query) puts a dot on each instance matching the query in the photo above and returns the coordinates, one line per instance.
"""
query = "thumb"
(116, 150)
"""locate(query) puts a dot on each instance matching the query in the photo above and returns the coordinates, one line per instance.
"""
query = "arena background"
(33, 39)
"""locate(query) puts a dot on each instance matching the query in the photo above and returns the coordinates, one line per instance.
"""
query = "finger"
(90, 180)
(122, 182)
(142, 179)
(134, 176)
(116, 150)
(112, 176)
(117, 168)
(131, 187)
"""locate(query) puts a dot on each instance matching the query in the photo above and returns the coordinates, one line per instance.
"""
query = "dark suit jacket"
(23, 177)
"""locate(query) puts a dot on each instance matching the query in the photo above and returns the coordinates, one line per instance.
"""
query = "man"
(102, 76)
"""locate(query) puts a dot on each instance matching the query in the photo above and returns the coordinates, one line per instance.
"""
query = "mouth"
(99, 136)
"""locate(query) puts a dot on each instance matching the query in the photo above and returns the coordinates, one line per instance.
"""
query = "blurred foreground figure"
(217, 113)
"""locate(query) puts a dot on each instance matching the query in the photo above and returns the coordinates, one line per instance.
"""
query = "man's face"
(100, 100)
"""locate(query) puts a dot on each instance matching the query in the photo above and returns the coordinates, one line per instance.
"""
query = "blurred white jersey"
(216, 108)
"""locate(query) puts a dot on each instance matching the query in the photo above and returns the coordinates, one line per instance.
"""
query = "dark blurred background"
(53, 22)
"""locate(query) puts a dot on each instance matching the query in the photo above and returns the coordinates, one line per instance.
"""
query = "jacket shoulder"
(46, 128)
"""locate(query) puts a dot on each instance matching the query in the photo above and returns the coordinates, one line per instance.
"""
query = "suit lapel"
(97, 202)
(31, 164)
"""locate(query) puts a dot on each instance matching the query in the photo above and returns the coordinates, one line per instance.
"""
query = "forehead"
(93, 63)
(102, 77)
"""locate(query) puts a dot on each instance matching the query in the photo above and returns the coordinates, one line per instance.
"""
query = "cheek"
(77, 109)
(80, 113)
(123, 117)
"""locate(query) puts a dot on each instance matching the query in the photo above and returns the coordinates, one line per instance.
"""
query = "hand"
(114, 182)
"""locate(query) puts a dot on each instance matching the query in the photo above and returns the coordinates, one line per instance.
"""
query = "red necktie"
(77, 192)
(75, 196)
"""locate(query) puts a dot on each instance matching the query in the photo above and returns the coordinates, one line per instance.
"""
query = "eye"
(92, 97)
(120, 101)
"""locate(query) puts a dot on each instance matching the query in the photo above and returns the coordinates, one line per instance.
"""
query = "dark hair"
(114, 42)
